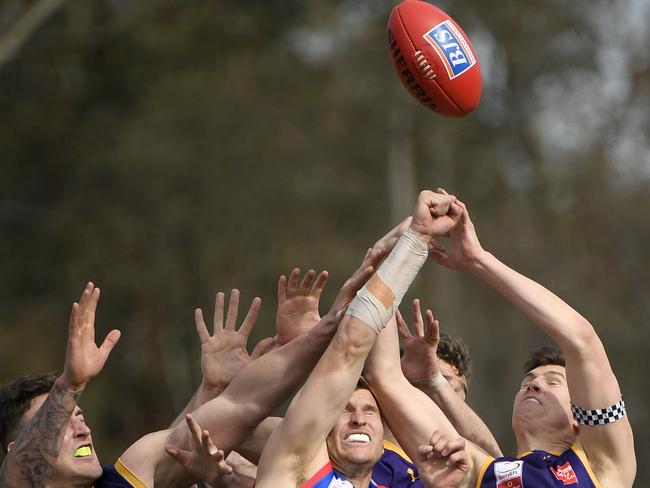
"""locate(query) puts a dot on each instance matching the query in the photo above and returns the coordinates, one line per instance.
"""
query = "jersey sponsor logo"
(411, 473)
(509, 474)
(452, 48)
(565, 474)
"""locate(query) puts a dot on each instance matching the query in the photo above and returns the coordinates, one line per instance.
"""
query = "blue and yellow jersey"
(118, 476)
(539, 469)
(395, 469)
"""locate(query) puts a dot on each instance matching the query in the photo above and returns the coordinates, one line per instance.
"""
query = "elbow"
(582, 336)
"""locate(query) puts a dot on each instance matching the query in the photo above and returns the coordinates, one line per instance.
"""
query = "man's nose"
(81, 429)
(358, 418)
(533, 386)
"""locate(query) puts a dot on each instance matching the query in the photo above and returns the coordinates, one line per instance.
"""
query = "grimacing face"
(543, 400)
(357, 437)
(70, 469)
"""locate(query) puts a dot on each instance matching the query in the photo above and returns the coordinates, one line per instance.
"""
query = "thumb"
(262, 347)
(464, 218)
(439, 257)
(424, 451)
(177, 454)
(110, 341)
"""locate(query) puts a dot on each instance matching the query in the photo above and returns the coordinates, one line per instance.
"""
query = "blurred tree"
(170, 149)
(23, 21)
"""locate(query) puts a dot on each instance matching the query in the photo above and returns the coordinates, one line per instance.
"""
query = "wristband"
(431, 383)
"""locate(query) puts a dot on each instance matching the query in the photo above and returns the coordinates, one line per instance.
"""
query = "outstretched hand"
(444, 462)
(224, 353)
(298, 303)
(84, 359)
(419, 361)
(203, 461)
(464, 244)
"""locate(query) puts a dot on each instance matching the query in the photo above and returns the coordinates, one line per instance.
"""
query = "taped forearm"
(377, 301)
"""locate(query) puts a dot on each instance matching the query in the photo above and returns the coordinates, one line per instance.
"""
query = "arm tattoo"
(31, 460)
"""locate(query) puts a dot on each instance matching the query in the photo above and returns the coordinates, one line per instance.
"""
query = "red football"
(434, 58)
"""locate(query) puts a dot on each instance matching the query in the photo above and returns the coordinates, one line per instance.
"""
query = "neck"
(360, 482)
(359, 476)
(543, 441)
(53, 483)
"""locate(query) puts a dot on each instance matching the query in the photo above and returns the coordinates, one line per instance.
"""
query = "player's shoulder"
(395, 452)
(395, 469)
(145, 454)
(118, 476)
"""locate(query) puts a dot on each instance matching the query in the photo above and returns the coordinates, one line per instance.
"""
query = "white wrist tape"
(367, 308)
(377, 301)
(403, 263)
(430, 383)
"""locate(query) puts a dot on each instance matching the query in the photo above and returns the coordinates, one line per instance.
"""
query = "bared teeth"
(358, 438)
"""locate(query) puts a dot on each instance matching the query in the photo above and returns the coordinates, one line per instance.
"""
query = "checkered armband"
(599, 416)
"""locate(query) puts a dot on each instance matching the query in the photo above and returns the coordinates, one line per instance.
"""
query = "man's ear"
(10, 445)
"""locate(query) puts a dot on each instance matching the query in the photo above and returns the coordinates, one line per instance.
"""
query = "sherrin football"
(434, 58)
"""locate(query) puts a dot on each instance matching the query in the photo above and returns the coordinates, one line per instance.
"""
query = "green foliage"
(169, 149)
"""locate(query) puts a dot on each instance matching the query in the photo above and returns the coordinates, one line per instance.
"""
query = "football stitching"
(423, 65)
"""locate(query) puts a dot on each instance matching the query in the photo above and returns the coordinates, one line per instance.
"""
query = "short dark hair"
(16, 398)
(544, 356)
(455, 352)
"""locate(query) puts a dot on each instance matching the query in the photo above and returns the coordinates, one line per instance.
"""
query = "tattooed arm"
(33, 455)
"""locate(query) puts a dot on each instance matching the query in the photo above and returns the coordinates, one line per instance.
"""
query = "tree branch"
(24, 28)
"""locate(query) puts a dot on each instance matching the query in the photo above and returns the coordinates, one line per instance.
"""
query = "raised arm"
(223, 353)
(420, 365)
(31, 460)
(413, 417)
(297, 449)
(254, 393)
(591, 381)
(203, 460)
